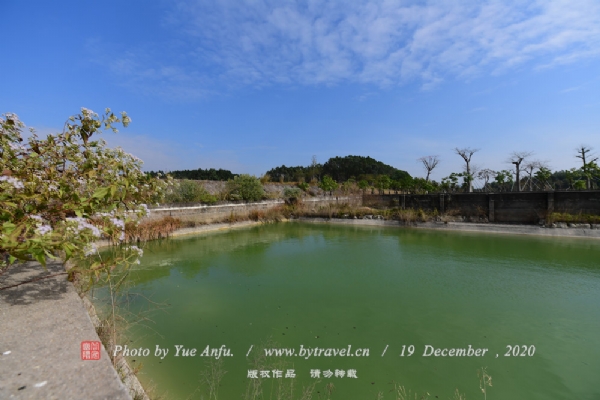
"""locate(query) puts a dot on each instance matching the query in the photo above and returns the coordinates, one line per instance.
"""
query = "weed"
(485, 381)
(152, 229)
(573, 218)
(212, 376)
(403, 394)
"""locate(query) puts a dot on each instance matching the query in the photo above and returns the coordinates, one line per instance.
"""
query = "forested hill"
(339, 168)
(343, 168)
(200, 174)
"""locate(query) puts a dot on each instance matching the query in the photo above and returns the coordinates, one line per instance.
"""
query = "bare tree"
(531, 166)
(429, 162)
(582, 152)
(466, 153)
(517, 158)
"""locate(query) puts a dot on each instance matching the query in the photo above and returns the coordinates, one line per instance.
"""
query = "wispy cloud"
(148, 71)
(381, 42)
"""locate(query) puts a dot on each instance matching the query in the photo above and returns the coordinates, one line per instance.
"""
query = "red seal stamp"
(90, 350)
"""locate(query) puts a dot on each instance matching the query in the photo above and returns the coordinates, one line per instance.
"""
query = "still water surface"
(327, 286)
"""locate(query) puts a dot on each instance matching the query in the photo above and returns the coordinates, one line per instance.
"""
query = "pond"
(377, 307)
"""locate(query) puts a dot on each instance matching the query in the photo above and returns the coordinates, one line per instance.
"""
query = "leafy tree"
(543, 176)
(421, 185)
(579, 185)
(245, 187)
(328, 184)
(363, 184)
(592, 171)
(405, 182)
(450, 183)
(395, 186)
(60, 194)
(291, 174)
(468, 179)
(572, 176)
(382, 183)
(504, 179)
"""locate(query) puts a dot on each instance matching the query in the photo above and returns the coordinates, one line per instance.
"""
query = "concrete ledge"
(469, 227)
(213, 227)
(42, 325)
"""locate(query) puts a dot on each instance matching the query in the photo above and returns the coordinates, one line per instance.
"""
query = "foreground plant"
(60, 194)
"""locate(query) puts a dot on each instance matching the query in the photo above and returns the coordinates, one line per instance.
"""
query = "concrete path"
(42, 325)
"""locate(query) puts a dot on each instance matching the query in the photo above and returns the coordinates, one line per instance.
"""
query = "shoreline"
(505, 229)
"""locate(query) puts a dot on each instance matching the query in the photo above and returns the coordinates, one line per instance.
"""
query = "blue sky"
(250, 85)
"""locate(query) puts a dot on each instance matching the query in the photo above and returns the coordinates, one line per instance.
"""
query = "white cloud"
(383, 42)
(212, 45)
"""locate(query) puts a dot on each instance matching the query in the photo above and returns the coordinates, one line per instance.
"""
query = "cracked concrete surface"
(42, 325)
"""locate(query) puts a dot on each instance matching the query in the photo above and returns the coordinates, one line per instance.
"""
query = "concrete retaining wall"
(511, 207)
(203, 214)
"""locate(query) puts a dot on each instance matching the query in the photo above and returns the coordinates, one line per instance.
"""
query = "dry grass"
(151, 230)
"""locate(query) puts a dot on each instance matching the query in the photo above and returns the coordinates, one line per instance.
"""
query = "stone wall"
(509, 207)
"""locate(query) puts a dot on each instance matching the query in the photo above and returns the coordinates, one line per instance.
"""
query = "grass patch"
(572, 218)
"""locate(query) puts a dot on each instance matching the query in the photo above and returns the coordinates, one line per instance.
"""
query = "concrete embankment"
(469, 227)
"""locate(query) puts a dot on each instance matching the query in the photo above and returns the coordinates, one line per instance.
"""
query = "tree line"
(526, 174)
(198, 174)
(523, 173)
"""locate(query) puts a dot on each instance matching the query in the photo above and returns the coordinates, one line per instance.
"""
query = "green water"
(375, 288)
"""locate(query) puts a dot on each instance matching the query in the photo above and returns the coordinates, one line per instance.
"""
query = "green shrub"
(291, 193)
(328, 184)
(303, 185)
(245, 187)
(188, 191)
